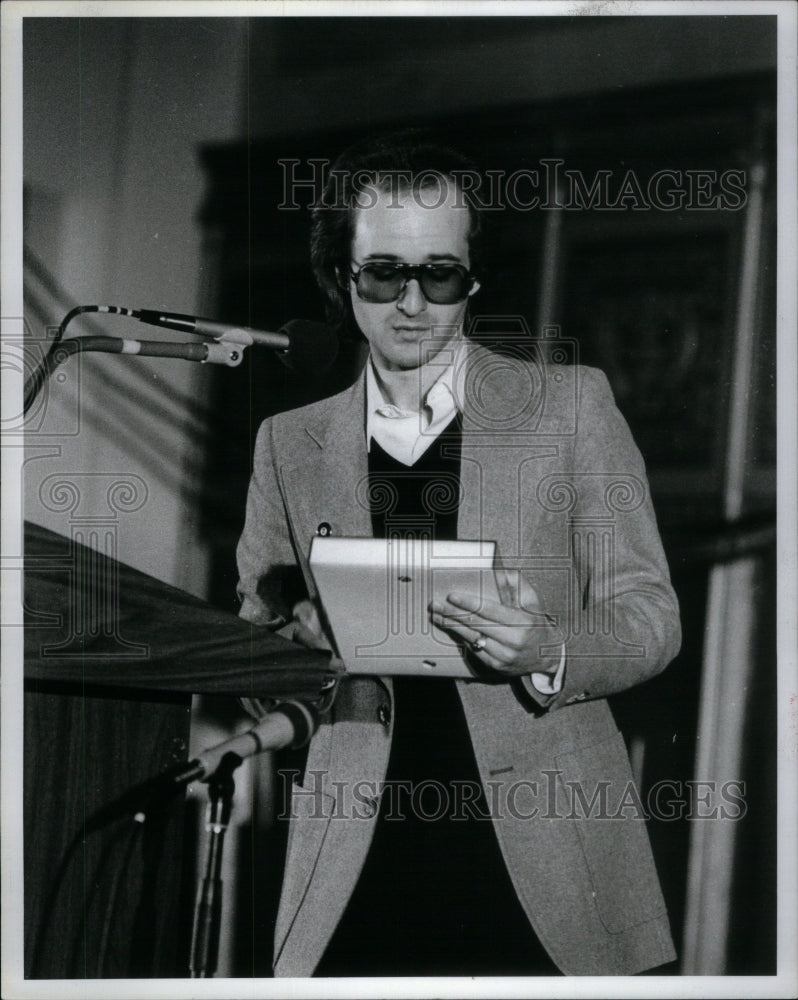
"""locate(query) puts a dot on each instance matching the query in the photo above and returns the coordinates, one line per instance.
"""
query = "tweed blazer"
(550, 472)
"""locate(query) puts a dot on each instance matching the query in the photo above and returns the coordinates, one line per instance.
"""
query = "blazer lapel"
(329, 483)
(501, 457)
(484, 463)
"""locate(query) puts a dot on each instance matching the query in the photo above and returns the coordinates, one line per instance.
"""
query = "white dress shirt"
(407, 434)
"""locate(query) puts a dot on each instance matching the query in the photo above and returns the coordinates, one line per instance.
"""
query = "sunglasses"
(441, 283)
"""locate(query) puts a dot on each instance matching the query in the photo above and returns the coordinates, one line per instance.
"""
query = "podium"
(112, 657)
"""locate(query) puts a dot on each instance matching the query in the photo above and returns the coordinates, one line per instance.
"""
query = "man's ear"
(342, 279)
(475, 287)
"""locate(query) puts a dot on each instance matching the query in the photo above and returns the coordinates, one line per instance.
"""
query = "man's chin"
(412, 352)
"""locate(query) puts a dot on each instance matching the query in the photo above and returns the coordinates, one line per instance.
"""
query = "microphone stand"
(226, 346)
(208, 907)
(290, 724)
(225, 354)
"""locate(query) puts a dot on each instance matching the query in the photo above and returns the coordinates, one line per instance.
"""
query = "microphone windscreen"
(313, 347)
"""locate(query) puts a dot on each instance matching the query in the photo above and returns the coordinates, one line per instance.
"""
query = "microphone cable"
(45, 367)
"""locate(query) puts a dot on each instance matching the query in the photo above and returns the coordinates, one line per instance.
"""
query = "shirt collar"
(445, 391)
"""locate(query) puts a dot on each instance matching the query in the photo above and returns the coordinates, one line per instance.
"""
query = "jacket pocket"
(609, 815)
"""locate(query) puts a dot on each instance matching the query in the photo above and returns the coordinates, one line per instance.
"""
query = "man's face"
(400, 228)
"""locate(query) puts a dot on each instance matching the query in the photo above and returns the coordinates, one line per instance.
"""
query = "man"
(540, 862)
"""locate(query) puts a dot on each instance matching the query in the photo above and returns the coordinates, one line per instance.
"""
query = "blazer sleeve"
(622, 621)
(264, 550)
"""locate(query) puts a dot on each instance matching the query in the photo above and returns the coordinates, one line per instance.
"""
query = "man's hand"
(307, 627)
(505, 636)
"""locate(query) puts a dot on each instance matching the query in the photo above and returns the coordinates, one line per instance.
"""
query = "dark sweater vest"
(434, 897)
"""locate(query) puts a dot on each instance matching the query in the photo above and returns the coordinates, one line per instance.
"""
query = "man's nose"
(412, 300)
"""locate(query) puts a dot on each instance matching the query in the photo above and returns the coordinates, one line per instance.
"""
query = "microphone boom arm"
(300, 344)
(214, 353)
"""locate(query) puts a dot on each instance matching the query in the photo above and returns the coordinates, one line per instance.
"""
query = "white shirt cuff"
(545, 683)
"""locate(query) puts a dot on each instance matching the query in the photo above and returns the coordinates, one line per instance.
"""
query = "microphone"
(212, 330)
(290, 724)
(303, 344)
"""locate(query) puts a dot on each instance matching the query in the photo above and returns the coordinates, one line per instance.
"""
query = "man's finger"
(312, 640)
(507, 592)
(526, 595)
(494, 654)
(466, 607)
(502, 634)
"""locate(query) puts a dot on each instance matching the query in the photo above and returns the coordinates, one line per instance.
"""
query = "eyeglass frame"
(409, 272)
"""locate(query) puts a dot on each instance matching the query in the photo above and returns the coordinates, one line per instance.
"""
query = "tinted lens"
(379, 282)
(442, 284)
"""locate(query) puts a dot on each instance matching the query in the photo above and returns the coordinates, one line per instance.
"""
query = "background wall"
(362, 70)
(114, 112)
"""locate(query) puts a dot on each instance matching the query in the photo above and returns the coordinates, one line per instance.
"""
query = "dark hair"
(409, 159)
